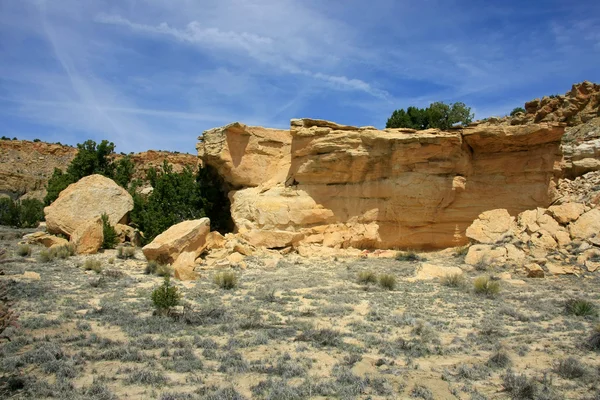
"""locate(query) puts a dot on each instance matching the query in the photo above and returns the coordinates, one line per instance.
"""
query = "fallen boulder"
(87, 199)
(187, 236)
(88, 237)
(492, 227)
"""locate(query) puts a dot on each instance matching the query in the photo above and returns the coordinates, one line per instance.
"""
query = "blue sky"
(154, 74)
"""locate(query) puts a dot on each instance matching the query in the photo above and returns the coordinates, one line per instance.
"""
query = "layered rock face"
(343, 186)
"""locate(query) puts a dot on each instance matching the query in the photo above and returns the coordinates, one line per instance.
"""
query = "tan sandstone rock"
(481, 253)
(184, 266)
(187, 236)
(430, 271)
(46, 239)
(84, 200)
(567, 212)
(345, 186)
(586, 226)
(534, 271)
(88, 237)
(492, 227)
(555, 269)
(271, 238)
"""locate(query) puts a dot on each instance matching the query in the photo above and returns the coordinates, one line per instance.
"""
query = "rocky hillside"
(26, 166)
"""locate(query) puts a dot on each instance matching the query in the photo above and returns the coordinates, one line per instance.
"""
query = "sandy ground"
(306, 328)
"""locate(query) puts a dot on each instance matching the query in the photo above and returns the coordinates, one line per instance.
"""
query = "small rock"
(31, 275)
(534, 271)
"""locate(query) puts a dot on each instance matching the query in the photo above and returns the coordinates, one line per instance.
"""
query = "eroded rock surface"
(343, 186)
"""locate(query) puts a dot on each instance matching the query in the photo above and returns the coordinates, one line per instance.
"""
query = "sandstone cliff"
(26, 166)
(343, 186)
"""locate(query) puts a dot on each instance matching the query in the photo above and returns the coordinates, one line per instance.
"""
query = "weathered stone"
(184, 266)
(514, 255)
(271, 239)
(84, 200)
(534, 271)
(46, 239)
(214, 240)
(360, 187)
(31, 275)
(555, 269)
(567, 212)
(88, 237)
(482, 253)
(427, 271)
(586, 226)
(187, 236)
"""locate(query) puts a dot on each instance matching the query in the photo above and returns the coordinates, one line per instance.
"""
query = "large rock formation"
(87, 200)
(344, 186)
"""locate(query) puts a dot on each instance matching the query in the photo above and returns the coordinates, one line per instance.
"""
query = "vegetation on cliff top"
(437, 115)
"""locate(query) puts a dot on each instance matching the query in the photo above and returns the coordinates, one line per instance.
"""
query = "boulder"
(271, 239)
(46, 239)
(567, 212)
(431, 271)
(129, 234)
(214, 240)
(560, 269)
(481, 253)
(514, 255)
(88, 237)
(534, 271)
(184, 266)
(187, 236)
(87, 199)
(586, 226)
(492, 227)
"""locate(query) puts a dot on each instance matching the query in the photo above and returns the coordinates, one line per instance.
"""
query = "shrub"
(408, 256)
(366, 277)
(62, 252)
(484, 285)
(387, 281)
(125, 252)
(570, 368)
(165, 297)
(517, 110)
(156, 268)
(421, 392)
(321, 337)
(461, 251)
(500, 359)
(8, 318)
(226, 280)
(110, 235)
(21, 213)
(45, 256)
(454, 280)
(92, 264)
(580, 308)
(519, 386)
(24, 250)
(593, 341)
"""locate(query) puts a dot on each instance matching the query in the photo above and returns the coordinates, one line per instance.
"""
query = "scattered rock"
(587, 226)
(430, 271)
(45, 239)
(482, 253)
(492, 227)
(567, 212)
(31, 275)
(534, 271)
(187, 236)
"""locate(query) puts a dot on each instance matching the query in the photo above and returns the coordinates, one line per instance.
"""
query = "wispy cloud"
(155, 74)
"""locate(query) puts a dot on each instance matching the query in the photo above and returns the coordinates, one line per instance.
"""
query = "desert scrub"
(486, 286)
(24, 250)
(454, 280)
(461, 251)
(320, 337)
(387, 281)
(62, 252)
(408, 256)
(155, 268)
(91, 264)
(165, 297)
(581, 308)
(421, 392)
(570, 368)
(593, 341)
(367, 277)
(125, 253)
(226, 280)
(500, 359)
(519, 386)
(110, 235)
